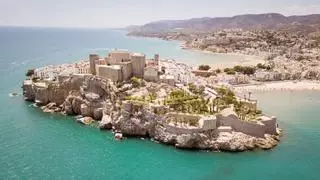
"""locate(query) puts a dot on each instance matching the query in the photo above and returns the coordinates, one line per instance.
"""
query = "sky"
(121, 13)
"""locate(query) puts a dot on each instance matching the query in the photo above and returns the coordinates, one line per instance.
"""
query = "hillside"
(306, 23)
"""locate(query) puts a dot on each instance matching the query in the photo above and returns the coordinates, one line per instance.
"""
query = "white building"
(83, 70)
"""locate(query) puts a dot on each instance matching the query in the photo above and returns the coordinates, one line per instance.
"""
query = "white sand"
(280, 86)
(243, 60)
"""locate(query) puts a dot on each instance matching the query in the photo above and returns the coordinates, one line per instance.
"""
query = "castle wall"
(110, 72)
(205, 123)
(181, 130)
(208, 123)
(254, 129)
(151, 74)
(126, 69)
(184, 116)
(118, 56)
(270, 125)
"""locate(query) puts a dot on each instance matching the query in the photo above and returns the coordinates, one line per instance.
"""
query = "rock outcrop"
(93, 97)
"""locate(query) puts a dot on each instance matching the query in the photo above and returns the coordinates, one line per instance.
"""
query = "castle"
(121, 65)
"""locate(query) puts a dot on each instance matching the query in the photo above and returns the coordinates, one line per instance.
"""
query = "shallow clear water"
(46, 146)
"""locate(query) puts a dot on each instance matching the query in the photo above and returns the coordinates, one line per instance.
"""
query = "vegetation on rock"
(181, 101)
(196, 90)
(136, 82)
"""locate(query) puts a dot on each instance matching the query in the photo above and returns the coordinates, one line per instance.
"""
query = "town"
(285, 55)
(164, 100)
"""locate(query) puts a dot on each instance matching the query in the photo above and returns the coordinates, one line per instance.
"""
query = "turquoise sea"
(36, 145)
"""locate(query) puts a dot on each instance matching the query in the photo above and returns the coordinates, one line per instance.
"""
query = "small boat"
(85, 120)
(13, 94)
(118, 136)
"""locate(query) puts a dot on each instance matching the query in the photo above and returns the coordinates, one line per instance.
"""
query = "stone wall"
(126, 69)
(181, 130)
(251, 104)
(151, 74)
(110, 72)
(205, 122)
(270, 125)
(257, 129)
(184, 116)
(118, 56)
(208, 123)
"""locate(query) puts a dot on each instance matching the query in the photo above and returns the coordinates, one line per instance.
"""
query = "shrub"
(30, 72)
(238, 68)
(258, 111)
(196, 90)
(231, 72)
(248, 70)
(204, 67)
(136, 82)
(218, 71)
(262, 66)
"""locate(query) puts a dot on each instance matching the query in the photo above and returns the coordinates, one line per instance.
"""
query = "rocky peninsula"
(188, 116)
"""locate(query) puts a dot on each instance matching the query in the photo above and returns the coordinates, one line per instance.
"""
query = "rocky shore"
(104, 101)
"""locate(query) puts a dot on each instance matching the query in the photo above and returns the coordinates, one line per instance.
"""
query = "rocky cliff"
(91, 96)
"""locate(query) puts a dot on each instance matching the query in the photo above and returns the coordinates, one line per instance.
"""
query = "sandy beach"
(280, 86)
(243, 60)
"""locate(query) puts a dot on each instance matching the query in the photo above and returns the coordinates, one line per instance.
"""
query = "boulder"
(98, 113)
(76, 105)
(132, 127)
(85, 110)
(235, 141)
(163, 136)
(106, 122)
(68, 108)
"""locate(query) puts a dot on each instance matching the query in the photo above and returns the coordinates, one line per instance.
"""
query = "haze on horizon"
(121, 13)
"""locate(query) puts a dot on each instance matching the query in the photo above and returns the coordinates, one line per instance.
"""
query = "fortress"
(121, 65)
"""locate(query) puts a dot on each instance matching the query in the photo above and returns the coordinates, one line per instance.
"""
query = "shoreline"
(303, 85)
(245, 60)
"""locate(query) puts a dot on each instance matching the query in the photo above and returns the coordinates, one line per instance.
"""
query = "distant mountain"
(308, 23)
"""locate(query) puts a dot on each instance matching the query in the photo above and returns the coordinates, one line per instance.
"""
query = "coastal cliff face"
(91, 96)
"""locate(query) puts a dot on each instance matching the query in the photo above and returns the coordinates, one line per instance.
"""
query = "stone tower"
(156, 59)
(138, 63)
(92, 59)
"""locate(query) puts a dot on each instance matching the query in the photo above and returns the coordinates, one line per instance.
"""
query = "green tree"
(30, 72)
(204, 67)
